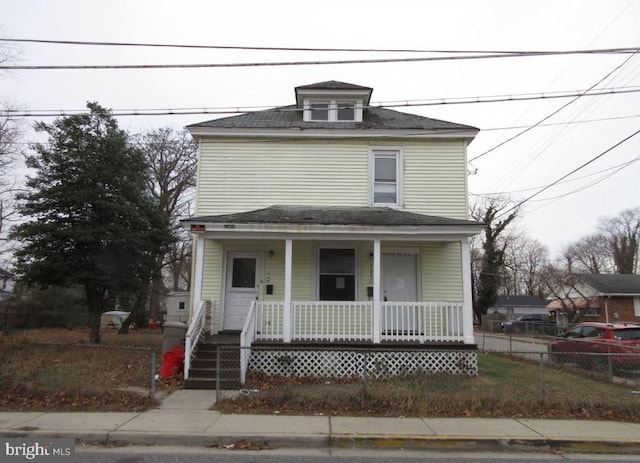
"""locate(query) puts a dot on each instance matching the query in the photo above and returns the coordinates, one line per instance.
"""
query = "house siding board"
(435, 178)
(240, 175)
(212, 277)
(441, 272)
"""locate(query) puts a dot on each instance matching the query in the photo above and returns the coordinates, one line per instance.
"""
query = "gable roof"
(613, 284)
(290, 117)
(332, 215)
(333, 85)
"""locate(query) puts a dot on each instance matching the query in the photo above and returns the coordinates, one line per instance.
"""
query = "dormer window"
(319, 111)
(333, 110)
(332, 101)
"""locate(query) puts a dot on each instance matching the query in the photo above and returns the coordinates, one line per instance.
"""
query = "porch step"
(205, 370)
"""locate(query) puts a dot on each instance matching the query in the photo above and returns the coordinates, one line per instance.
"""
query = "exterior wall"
(236, 175)
(440, 276)
(619, 308)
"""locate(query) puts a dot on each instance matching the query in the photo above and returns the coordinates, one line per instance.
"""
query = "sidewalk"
(184, 418)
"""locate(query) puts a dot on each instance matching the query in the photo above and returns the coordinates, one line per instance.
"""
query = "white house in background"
(331, 221)
(177, 307)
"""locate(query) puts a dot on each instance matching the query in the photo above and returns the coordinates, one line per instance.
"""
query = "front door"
(241, 289)
(400, 284)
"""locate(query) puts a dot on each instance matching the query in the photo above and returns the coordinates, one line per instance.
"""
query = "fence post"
(541, 377)
(218, 366)
(152, 392)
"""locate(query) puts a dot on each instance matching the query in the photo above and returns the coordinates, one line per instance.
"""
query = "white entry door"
(241, 289)
(400, 284)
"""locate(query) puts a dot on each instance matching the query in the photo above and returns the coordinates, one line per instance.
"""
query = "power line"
(606, 171)
(248, 109)
(316, 49)
(577, 97)
(582, 166)
(316, 63)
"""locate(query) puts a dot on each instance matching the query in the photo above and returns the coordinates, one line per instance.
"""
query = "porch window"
(337, 275)
(385, 177)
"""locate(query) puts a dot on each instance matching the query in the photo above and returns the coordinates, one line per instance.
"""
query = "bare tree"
(172, 156)
(622, 234)
(524, 260)
(590, 254)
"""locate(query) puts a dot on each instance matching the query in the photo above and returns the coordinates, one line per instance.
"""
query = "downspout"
(606, 309)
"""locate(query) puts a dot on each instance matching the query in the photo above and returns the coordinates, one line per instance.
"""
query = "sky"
(589, 131)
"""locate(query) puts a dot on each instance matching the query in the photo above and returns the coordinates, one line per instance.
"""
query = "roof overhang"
(337, 133)
(332, 222)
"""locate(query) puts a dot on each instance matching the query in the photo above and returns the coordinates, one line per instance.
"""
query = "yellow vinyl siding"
(241, 175)
(238, 176)
(441, 272)
(435, 177)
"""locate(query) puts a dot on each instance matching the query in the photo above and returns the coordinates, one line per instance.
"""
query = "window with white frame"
(333, 110)
(337, 274)
(385, 177)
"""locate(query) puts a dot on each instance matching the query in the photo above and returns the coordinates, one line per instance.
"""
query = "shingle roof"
(332, 215)
(290, 117)
(333, 85)
(520, 301)
(613, 283)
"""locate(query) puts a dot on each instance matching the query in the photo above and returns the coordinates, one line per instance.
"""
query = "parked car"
(529, 323)
(599, 346)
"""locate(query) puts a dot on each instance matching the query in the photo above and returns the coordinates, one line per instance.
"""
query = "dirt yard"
(56, 369)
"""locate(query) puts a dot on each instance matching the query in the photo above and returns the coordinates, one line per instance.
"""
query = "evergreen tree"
(93, 222)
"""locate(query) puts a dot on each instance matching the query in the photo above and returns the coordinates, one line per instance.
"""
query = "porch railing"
(422, 321)
(353, 321)
(197, 326)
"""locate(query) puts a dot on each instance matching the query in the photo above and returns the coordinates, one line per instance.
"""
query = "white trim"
(199, 270)
(411, 134)
(288, 276)
(332, 109)
(467, 306)
(636, 306)
(377, 289)
(397, 152)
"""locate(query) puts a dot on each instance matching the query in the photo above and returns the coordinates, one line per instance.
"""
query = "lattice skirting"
(345, 363)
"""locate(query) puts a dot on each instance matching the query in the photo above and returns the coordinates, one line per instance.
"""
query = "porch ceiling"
(334, 220)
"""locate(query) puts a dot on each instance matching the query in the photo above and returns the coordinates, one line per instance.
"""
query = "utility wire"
(245, 110)
(312, 49)
(582, 166)
(315, 63)
(577, 97)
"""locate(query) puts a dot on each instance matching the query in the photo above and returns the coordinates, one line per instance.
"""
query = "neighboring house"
(511, 306)
(332, 221)
(601, 298)
(176, 303)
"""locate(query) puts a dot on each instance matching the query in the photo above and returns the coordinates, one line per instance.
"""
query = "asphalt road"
(202, 455)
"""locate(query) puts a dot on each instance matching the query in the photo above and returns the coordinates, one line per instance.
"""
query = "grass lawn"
(56, 369)
(505, 387)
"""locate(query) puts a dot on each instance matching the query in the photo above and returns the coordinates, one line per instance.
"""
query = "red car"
(586, 344)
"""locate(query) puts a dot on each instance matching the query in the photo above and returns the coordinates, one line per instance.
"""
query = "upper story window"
(333, 110)
(386, 178)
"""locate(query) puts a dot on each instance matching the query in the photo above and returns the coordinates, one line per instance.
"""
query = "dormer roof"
(333, 88)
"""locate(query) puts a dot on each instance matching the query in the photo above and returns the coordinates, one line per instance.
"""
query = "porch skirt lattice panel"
(352, 363)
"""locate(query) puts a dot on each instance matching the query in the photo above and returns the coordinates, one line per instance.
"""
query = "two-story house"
(334, 222)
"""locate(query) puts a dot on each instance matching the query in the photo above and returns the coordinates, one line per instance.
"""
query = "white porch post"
(288, 272)
(199, 270)
(467, 306)
(377, 312)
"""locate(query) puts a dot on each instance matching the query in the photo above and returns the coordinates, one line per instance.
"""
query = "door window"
(243, 273)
